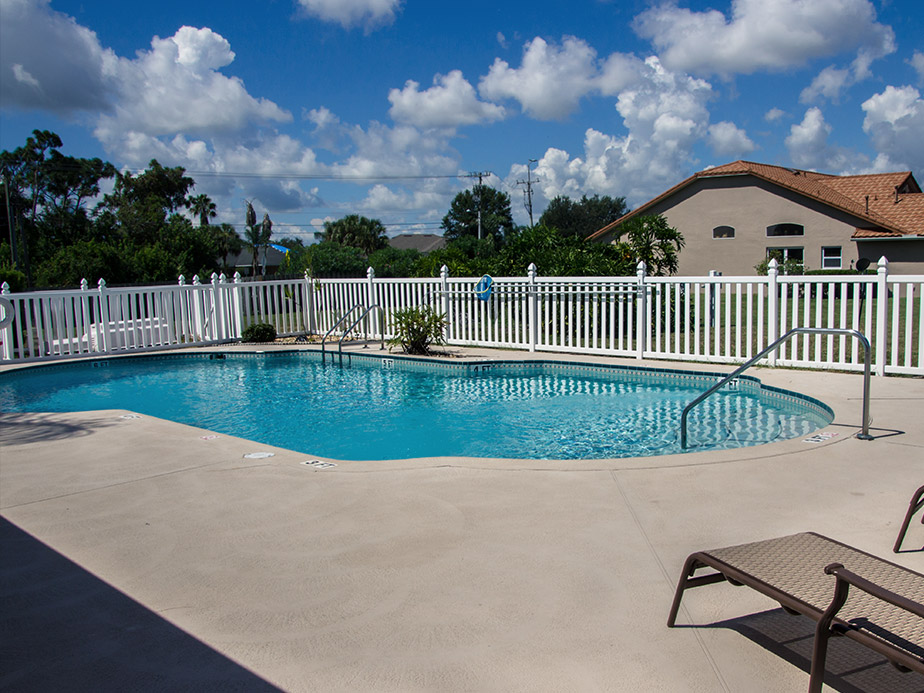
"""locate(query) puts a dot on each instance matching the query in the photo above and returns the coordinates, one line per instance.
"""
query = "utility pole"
(479, 175)
(528, 193)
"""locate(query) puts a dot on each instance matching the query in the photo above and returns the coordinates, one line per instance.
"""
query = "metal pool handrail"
(355, 323)
(327, 334)
(862, 435)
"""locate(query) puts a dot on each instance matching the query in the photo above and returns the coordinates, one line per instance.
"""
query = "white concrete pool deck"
(143, 554)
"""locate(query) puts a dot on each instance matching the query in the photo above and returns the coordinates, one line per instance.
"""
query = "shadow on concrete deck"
(63, 628)
(850, 667)
(30, 427)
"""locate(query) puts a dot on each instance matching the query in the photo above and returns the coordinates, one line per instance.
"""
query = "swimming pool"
(394, 408)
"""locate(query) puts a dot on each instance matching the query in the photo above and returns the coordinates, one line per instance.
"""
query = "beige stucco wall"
(750, 205)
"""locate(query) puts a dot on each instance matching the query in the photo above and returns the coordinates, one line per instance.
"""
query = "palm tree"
(226, 242)
(266, 232)
(257, 235)
(203, 207)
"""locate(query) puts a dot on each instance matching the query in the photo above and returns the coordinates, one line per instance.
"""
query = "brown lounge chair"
(874, 602)
(917, 502)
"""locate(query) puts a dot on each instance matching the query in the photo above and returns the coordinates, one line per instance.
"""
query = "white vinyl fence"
(710, 319)
(55, 324)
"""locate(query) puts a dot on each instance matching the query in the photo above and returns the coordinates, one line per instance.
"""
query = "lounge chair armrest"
(871, 588)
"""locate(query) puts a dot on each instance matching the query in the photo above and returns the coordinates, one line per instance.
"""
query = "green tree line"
(140, 232)
(56, 229)
(490, 242)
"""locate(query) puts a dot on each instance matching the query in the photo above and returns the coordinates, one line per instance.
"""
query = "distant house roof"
(891, 203)
(274, 257)
(422, 242)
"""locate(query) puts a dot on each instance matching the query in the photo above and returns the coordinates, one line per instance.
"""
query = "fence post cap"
(444, 271)
(101, 283)
(641, 266)
(370, 273)
(222, 278)
(84, 285)
(181, 280)
(4, 288)
(237, 277)
(196, 281)
(532, 269)
(883, 263)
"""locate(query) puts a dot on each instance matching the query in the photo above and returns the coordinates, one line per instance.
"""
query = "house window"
(831, 257)
(784, 254)
(785, 230)
(723, 232)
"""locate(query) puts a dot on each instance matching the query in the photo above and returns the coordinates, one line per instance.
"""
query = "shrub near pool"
(259, 332)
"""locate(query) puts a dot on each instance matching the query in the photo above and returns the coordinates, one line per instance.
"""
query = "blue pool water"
(371, 412)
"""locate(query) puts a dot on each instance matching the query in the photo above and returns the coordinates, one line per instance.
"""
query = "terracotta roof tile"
(897, 215)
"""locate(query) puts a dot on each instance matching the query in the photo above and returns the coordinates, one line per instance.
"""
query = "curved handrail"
(864, 433)
(327, 334)
(355, 323)
(8, 312)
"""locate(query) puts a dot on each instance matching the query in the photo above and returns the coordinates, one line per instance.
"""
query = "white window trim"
(839, 258)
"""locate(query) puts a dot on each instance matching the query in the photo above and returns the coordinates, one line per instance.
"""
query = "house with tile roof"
(421, 242)
(733, 216)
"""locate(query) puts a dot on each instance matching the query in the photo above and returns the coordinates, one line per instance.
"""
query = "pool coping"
(844, 425)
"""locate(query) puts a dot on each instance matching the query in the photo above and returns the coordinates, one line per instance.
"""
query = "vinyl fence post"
(533, 306)
(106, 332)
(218, 313)
(773, 296)
(6, 332)
(370, 299)
(198, 323)
(444, 285)
(85, 319)
(236, 317)
(882, 311)
(311, 319)
(641, 312)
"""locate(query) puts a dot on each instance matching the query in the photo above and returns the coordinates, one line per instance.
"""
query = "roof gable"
(891, 203)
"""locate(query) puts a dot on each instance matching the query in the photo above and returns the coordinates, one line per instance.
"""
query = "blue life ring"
(484, 287)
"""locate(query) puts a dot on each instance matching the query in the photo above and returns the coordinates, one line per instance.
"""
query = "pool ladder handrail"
(864, 432)
(334, 327)
(355, 323)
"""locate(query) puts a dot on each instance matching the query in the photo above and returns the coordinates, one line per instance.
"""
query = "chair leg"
(916, 504)
(689, 567)
(819, 655)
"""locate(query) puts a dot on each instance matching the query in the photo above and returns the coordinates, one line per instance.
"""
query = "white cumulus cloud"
(761, 35)
(774, 114)
(895, 123)
(449, 103)
(32, 75)
(809, 148)
(664, 114)
(175, 87)
(827, 84)
(727, 139)
(917, 62)
(551, 79)
(350, 13)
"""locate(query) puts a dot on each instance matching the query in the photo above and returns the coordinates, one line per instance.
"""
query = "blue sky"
(315, 109)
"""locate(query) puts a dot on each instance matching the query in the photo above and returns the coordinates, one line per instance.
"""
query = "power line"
(479, 175)
(528, 192)
(314, 176)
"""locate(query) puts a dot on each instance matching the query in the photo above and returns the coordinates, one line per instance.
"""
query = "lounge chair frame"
(883, 621)
(917, 502)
